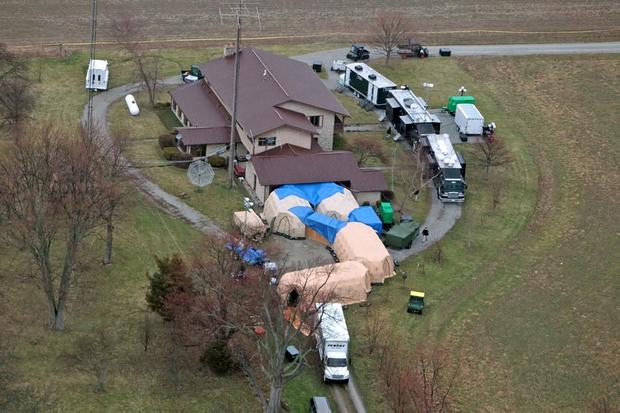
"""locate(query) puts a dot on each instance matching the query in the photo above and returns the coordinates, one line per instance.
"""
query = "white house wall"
(326, 132)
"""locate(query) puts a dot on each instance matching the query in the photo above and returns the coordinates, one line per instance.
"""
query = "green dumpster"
(455, 100)
(386, 213)
(402, 235)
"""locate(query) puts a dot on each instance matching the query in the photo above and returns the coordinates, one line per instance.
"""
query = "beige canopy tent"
(359, 242)
(344, 282)
(280, 220)
(339, 205)
(250, 224)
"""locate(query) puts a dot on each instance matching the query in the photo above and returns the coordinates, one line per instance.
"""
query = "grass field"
(526, 294)
(443, 21)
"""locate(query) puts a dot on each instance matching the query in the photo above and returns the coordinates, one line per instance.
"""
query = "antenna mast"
(238, 11)
(91, 92)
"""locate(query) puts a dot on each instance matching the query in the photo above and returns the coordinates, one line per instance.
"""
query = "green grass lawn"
(358, 115)
(524, 293)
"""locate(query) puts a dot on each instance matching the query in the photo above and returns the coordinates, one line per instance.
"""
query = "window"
(267, 141)
(316, 121)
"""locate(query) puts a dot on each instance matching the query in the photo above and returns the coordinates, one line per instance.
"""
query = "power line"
(238, 11)
(91, 91)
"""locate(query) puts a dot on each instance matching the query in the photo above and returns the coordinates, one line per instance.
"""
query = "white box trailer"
(366, 82)
(332, 342)
(97, 75)
(468, 119)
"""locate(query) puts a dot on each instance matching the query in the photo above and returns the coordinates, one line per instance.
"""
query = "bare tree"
(94, 353)
(374, 327)
(243, 307)
(16, 100)
(492, 152)
(366, 148)
(115, 177)
(10, 65)
(128, 35)
(51, 195)
(388, 31)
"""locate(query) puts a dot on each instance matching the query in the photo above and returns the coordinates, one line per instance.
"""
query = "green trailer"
(401, 236)
(386, 213)
(453, 101)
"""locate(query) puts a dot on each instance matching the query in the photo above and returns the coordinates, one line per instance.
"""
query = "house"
(286, 120)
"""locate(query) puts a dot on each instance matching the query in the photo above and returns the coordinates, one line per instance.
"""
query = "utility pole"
(91, 92)
(239, 10)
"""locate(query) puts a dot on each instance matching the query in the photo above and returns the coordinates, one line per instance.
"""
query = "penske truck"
(332, 342)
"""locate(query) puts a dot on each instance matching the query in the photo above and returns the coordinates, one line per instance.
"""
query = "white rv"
(366, 82)
(332, 342)
(468, 119)
(97, 75)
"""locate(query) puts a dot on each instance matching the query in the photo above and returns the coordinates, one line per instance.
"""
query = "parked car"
(319, 404)
(444, 51)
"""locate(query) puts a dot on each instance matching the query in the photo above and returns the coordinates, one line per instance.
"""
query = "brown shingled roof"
(200, 105)
(206, 136)
(294, 166)
(266, 81)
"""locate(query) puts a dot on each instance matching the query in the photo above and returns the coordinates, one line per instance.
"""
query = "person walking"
(425, 234)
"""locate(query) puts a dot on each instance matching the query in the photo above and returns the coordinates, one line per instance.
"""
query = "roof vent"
(359, 68)
(372, 76)
(408, 102)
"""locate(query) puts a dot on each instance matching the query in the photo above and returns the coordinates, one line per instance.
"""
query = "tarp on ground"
(249, 223)
(367, 215)
(279, 217)
(345, 282)
(314, 193)
(359, 242)
(339, 205)
(327, 227)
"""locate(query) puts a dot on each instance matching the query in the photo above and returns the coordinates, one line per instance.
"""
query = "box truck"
(468, 119)
(332, 342)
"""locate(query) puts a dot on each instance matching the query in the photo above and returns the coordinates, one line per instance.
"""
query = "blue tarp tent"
(313, 193)
(324, 225)
(367, 215)
(301, 212)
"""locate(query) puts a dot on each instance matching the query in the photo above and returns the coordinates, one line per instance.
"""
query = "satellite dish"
(200, 173)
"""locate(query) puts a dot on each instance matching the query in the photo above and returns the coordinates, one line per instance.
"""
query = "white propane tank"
(134, 110)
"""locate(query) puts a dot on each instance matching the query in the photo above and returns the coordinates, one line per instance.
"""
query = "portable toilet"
(453, 101)
(386, 213)
(401, 236)
(97, 75)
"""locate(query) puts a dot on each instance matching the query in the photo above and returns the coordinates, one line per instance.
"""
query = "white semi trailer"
(332, 342)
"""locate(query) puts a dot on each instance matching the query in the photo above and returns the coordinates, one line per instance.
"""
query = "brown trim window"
(316, 121)
(271, 141)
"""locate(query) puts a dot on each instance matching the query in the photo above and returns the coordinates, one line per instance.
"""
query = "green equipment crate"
(455, 100)
(401, 236)
(386, 213)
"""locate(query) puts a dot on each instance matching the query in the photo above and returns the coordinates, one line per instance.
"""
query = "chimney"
(229, 49)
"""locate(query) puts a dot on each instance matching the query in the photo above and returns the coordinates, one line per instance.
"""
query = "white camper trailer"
(468, 119)
(332, 342)
(97, 75)
(366, 82)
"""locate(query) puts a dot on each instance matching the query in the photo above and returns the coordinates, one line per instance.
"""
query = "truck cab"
(451, 186)
(332, 342)
(358, 52)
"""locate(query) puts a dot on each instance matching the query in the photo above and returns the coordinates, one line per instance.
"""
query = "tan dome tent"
(344, 283)
(280, 219)
(250, 224)
(339, 205)
(359, 242)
